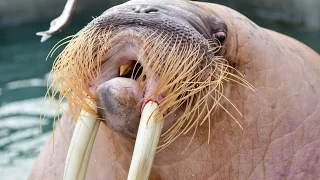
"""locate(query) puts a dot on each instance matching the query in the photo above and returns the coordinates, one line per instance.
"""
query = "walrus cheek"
(119, 102)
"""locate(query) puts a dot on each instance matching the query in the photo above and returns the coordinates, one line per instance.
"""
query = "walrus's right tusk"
(81, 145)
(149, 131)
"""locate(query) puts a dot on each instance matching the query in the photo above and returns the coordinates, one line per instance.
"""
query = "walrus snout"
(119, 102)
(182, 33)
(174, 44)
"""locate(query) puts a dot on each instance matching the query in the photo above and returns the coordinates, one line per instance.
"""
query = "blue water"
(23, 81)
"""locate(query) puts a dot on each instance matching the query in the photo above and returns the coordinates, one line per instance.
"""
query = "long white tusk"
(149, 132)
(81, 145)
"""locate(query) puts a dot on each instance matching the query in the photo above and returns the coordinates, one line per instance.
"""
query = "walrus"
(240, 101)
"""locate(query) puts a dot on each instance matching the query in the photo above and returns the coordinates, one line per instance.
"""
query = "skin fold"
(281, 121)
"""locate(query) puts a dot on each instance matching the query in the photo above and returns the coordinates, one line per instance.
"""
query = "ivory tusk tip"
(81, 145)
(150, 127)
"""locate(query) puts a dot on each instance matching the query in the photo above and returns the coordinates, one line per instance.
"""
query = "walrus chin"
(121, 61)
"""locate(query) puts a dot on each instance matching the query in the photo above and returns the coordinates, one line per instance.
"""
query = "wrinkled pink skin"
(281, 121)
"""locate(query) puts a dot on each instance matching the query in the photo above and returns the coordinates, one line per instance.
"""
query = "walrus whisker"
(212, 110)
(230, 115)
(62, 133)
(174, 109)
(60, 65)
(209, 127)
(192, 137)
(218, 42)
(174, 134)
(223, 96)
(189, 104)
(213, 46)
(179, 121)
(189, 112)
(196, 120)
(209, 112)
(58, 45)
(134, 75)
(203, 102)
(245, 84)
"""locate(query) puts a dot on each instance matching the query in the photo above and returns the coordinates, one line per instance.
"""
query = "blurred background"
(24, 71)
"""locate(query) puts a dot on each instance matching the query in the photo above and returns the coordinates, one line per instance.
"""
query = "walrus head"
(170, 52)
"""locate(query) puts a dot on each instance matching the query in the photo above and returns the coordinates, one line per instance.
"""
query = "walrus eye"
(220, 36)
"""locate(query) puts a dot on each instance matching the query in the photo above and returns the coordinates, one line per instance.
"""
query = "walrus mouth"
(121, 68)
(169, 70)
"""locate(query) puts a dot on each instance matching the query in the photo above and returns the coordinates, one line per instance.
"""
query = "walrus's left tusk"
(81, 145)
(150, 127)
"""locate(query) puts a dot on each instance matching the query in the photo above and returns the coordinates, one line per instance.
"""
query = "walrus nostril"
(144, 9)
(149, 10)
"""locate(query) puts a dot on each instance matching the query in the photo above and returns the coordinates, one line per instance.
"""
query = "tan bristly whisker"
(188, 106)
(223, 96)
(242, 82)
(145, 48)
(194, 133)
(209, 112)
(61, 132)
(230, 115)
(177, 79)
(56, 48)
(180, 123)
(174, 134)
(191, 94)
(158, 63)
(71, 77)
(51, 52)
(186, 96)
(134, 75)
(189, 127)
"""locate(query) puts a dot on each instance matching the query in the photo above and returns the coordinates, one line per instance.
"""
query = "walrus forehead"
(162, 22)
(178, 17)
